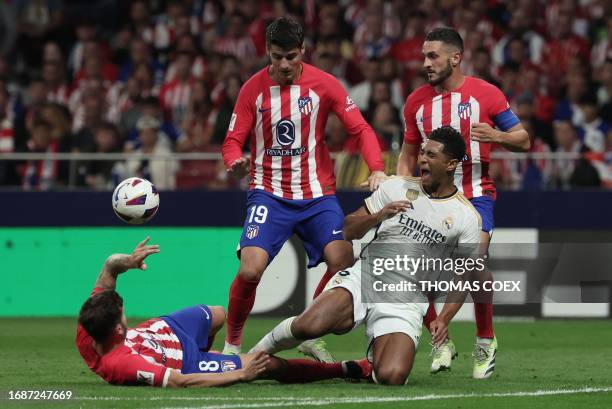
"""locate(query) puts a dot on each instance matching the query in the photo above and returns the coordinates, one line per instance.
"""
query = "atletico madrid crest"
(305, 105)
(464, 110)
(252, 231)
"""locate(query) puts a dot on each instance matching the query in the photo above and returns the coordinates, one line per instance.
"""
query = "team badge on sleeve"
(464, 110)
(228, 366)
(252, 231)
(305, 105)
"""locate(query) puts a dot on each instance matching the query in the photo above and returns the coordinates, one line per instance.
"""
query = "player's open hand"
(374, 180)
(141, 252)
(482, 132)
(256, 366)
(393, 208)
(240, 167)
(439, 332)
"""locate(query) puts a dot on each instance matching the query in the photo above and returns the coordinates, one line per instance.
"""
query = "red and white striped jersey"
(473, 102)
(146, 356)
(289, 157)
(174, 99)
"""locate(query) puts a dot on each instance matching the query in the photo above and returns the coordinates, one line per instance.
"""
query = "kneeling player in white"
(435, 213)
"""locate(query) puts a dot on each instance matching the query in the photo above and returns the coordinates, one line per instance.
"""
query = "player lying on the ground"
(393, 329)
(172, 350)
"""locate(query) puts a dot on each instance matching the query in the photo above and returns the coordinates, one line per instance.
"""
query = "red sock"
(241, 300)
(430, 315)
(484, 320)
(306, 370)
(324, 280)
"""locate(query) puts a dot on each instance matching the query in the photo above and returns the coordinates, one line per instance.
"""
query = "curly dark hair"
(286, 33)
(454, 145)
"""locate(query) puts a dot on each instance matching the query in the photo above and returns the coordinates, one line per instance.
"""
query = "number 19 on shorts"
(259, 214)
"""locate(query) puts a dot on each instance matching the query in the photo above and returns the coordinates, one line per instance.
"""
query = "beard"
(442, 75)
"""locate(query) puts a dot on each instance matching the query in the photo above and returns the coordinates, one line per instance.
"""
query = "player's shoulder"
(406, 182)
(480, 84)
(256, 81)
(467, 208)
(310, 72)
(424, 91)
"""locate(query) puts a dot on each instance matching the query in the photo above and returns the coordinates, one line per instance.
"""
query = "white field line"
(289, 401)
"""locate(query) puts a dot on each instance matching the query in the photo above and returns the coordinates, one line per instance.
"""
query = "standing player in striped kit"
(475, 108)
(283, 109)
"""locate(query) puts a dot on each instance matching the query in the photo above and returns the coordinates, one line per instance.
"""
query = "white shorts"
(379, 318)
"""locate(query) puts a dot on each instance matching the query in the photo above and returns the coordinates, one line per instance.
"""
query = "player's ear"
(452, 165)
(303, 49)
(456, 59)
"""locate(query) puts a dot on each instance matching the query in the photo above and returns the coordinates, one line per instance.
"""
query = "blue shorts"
(192, 327)
(271, 220)
(484, 206)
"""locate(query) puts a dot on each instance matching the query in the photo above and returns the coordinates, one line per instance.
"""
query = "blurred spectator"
(542, 130)
(481, 66)
(224, 114)
(88, 117)
(336, 135)
(360, 93)
(37, 22)
(58, 118)
(602, 50)
(604, 93)
(8, 27)
(160, 170)
(99, 174)
(173, 23)
(53, 75)
(174, 95)
(41, 174)
(408, 52)
(521, 28)
(7, 137)
(236, 41)
(386, 123)
(94, 65)
(140, 21)
(85, 33)
(36, 98)
(140, 54)
(564, 45)
(187, 44)
(567, 107)
(150, 107)
(593, 130)
(567, 143)
(198, 127)
(370, 40)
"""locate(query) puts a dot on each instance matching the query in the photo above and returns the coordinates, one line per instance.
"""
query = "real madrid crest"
(448, 223)
(412, 194)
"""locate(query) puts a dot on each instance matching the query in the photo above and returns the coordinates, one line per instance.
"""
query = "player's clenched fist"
(482, 132)
(393, 208)
(240, 167)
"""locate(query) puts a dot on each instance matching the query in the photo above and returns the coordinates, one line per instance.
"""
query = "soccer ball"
(135, 200)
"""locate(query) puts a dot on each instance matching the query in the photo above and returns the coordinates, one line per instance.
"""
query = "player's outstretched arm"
(406, 162)
(116, 264)
(358, 223)
(251, 371)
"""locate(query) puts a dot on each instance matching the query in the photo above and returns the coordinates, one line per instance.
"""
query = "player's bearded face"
(438, 76)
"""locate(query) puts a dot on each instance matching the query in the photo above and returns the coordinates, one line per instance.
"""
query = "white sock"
(485, 341)
(279, 339)
(231, 348)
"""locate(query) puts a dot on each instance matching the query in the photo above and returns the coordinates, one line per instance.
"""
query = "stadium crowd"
(158, 77)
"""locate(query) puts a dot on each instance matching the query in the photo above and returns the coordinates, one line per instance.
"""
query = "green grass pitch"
(541, 364)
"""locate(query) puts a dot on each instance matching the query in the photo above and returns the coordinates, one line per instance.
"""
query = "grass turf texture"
(39, 354)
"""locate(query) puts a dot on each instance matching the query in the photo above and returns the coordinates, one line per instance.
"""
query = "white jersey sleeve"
(382, 196)
(470, 234)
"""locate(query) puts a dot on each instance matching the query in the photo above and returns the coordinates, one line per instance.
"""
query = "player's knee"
(391, 375)
(250, 272)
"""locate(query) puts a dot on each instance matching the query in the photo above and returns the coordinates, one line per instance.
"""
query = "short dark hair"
(454, 145)
(100, 314)
(286, 33)
(446, 35)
